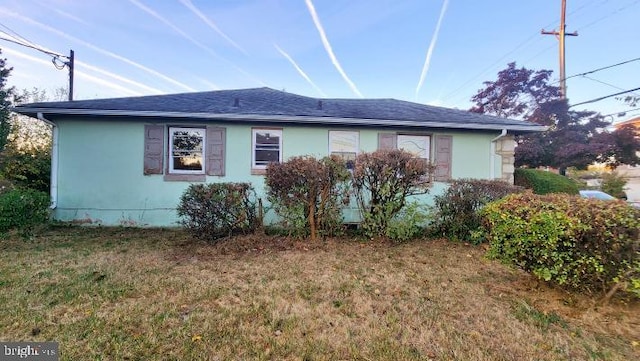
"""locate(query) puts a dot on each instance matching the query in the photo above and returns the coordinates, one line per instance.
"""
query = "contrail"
(119, 77)
(327, 47)
(211, 24)
(76, 72)
(175, 28)
(434, 39)
(63, 13)
(192, 40)
(98, 49)
(110, 74)
(300, 71)
(212, 86)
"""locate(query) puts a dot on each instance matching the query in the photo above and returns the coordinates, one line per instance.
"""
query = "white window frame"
(254, 133)
(344, 134)
(427, 150)
(172, 170)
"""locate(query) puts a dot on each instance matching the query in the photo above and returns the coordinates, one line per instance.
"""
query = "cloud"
(211, 24)
(434, 39)
(81, 74)
(96, 48)
(300, 71)
(327, 47)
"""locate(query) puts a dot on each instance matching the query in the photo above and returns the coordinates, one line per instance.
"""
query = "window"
(267, 147)
(345, 145)
(187, 149)
(189, 154)
(418, 145)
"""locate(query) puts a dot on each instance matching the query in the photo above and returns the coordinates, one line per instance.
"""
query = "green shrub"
(408, 224)
(613, 183)
(542, 182)
(576, 243)
(216, 210)
(307, 194)
(23, 209)
(457, 208)
(382, 181)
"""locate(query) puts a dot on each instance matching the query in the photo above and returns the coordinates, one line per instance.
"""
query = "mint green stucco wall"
(100, 167)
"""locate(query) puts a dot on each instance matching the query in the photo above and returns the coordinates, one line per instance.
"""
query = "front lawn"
(115, 293)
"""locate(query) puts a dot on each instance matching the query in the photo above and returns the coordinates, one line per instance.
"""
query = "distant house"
(126, 161)
(632, 173)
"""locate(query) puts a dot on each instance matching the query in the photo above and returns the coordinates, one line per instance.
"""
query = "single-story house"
(127, 161)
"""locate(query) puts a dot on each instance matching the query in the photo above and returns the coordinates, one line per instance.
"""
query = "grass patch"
(115, 293)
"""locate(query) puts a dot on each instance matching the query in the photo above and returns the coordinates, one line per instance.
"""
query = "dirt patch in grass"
(156, 294)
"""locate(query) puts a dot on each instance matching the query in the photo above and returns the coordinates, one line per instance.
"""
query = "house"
(127, 161)
(631, 172)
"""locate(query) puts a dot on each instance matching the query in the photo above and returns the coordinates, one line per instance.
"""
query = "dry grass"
(153, 294)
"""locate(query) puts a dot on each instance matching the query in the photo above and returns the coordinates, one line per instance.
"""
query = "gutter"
(54, 161)
(493, 152)
(270, 118)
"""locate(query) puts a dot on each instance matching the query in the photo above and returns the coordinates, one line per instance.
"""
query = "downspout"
(54, 160)
(493, 152)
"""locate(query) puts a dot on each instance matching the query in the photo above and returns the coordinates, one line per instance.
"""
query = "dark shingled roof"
(265, 104)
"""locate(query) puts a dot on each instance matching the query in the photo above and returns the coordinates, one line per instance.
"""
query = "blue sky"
(430, 51)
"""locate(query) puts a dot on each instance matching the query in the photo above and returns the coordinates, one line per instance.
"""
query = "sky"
(436, 52)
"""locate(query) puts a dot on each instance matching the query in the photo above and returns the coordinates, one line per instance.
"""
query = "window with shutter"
(191, 152)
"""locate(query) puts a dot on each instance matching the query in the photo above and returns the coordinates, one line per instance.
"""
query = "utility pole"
(70, 66)
(55, 59)
(561, 34)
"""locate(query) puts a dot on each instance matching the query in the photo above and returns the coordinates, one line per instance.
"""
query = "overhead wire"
(605, 97)
(534, 36)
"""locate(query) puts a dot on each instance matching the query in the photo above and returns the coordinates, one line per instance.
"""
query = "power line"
(604, 67)
(35, 48)
(605, 97)
(15, 35)
(55, 58)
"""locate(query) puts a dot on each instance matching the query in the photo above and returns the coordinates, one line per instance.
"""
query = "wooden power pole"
(561, 34)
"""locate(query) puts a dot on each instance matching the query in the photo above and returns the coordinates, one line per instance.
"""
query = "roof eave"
(259, 118)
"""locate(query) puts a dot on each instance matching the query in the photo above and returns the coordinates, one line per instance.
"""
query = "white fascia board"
(258, 118)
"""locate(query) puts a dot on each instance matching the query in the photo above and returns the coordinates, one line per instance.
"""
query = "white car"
(592, 194)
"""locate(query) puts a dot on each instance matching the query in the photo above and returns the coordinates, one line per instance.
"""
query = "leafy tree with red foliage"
(573, 138)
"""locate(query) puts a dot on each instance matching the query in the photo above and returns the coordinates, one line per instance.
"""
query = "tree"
(573, 138)
(26, 158)
(7, 98)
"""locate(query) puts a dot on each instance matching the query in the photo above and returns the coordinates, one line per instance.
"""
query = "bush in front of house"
(23, 209)
(215, 210)
(543, 182)
(456, 210)
(576, 243)
(410, 223)
(613, 183)
(307, 193)
(382, 181)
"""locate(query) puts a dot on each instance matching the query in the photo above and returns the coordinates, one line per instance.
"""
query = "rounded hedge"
(543, 182)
